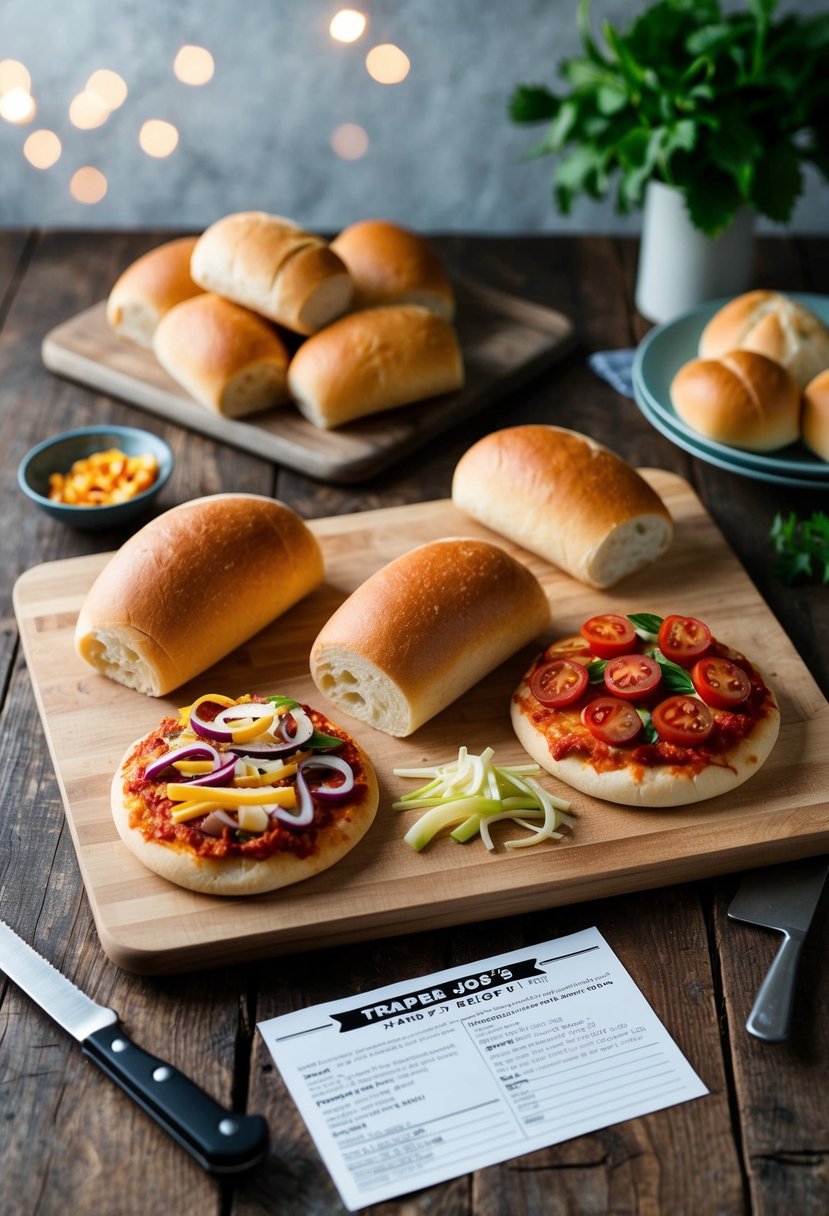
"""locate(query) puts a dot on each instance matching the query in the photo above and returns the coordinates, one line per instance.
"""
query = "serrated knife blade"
(221, 1140)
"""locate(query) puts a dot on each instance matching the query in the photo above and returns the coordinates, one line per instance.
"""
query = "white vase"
(679, 266)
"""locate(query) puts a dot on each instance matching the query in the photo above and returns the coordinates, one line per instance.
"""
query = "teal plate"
(660, 356)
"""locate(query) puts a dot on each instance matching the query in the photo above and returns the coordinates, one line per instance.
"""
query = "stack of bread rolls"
(761, 379)
(256, 312)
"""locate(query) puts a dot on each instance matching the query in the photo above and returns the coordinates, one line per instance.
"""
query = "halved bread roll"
(149, 288)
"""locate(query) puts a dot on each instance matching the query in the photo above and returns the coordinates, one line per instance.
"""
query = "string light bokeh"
(93, 103)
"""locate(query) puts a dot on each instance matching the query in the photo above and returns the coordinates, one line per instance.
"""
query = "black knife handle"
(222, 1141)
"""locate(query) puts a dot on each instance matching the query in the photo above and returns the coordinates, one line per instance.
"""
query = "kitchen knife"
(222, 1141)
(783, 898)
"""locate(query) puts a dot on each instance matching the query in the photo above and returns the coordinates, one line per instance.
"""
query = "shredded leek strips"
(473, 793)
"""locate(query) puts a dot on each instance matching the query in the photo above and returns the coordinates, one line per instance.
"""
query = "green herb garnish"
(674, 677)
(646, 625)
(651, 735)
(802, 547)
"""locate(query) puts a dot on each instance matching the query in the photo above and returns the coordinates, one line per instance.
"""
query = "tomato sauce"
(150, 808)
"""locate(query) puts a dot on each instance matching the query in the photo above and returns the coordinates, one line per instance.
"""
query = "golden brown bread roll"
(424, 629)
(231, 360)
(270, 264)
(149, 288)
(192, 585)
(815, 422)
(743, 399)
(770, 324)
(565, 497)
(372, 361)
(391, 265)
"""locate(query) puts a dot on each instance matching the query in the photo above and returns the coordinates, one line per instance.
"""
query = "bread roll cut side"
(192, 585)
(372, 361)
(391, 265)
(149, 288)
(231, 360)
(565, 497)
(425, 628)
(743, 399)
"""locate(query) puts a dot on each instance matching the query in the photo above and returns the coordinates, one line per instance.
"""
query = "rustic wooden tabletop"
(70, 1141)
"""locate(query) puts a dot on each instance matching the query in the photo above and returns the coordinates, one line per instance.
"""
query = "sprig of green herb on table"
(802, 547)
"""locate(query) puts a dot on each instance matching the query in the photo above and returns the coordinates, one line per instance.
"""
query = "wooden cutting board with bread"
(332, 358)
(383, 887)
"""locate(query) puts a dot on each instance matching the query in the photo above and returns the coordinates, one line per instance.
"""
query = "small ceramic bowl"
(57, 455)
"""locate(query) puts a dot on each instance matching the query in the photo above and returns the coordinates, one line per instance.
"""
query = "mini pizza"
(238, 797)
(646, 711)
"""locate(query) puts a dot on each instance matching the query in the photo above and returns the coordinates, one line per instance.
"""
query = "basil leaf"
(283, 702)
(646, 624)
(674, 677)
(319, 741)
(595, 670)
(650, 730)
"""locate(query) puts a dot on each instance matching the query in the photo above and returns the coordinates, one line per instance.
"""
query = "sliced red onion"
(207, 730)
(215, 823)
(264, 750)
(192, 751)
(219, 775)
(251, 709)
(304, 815)
(330, 762)
(303, 727)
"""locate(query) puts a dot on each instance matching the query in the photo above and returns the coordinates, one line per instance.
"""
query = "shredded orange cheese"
(104, 478)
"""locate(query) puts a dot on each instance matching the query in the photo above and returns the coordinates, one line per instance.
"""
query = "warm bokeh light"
(87, 110)
(14, 75)
(42, 149)
(158, 138)
(387, 64)
(109, 86)
(347, 25)
(193, 65)
(349, 141)
(17, 106)
(88, 185)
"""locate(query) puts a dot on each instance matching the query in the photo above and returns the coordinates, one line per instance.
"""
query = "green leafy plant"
(802, 547)
(725, 107)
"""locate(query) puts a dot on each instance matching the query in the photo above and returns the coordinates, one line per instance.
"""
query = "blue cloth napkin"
(614, 366)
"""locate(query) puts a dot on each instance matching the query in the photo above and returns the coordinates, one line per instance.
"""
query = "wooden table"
(70, 1141)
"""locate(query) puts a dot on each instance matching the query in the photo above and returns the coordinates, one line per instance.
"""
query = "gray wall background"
(442, 154)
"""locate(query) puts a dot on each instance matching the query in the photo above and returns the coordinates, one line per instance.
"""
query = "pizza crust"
(660, 786)
(247, 875)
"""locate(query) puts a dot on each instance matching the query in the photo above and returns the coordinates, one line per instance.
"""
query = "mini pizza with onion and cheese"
(239, 797)
(646, 711)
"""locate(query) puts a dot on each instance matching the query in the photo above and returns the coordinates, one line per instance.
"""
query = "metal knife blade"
(782, 898)
(222, 1141)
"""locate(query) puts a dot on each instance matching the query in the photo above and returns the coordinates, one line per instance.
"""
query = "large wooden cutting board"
(382, 887)
(505, 341)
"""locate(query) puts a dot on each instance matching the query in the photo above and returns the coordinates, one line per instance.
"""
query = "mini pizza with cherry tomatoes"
(646, 711)
(242, 796)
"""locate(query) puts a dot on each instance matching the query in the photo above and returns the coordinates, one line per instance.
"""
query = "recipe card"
(430, 1078)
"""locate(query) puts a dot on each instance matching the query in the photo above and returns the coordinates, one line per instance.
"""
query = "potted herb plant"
(697, 115)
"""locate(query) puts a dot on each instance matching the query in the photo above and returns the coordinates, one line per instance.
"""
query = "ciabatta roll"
(565, 497)
(192, 585)
(372, 361)
(270, 264)
(391, 265)
(424, 629)
(229, 359)
(149, 288)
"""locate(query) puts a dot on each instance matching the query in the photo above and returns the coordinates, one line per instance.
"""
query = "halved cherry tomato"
(611, 721)
(609, 635)
(720, 682)
(575, 647)
(559, 683)
(683, 720)
(632, 676)
(682, 639)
